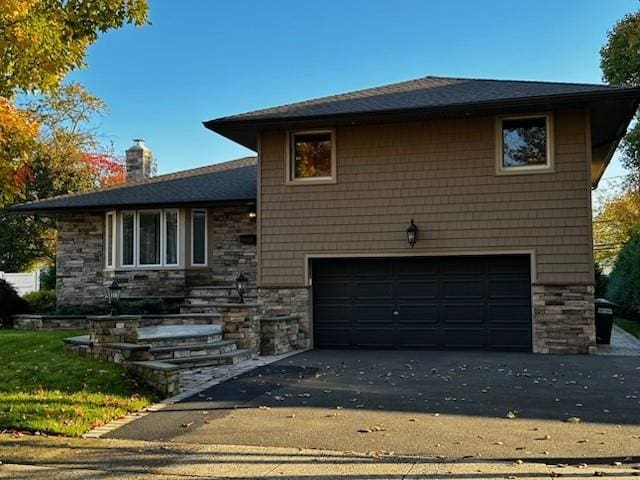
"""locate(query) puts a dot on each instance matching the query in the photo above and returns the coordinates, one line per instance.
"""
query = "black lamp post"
(412, 234)
(113, 296)
(241, 286)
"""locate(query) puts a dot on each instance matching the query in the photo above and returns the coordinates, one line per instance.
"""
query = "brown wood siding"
(442, 173)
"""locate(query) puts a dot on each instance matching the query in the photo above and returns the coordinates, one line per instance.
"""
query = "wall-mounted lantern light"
(241, 286)
(412, 234)
(113, 296)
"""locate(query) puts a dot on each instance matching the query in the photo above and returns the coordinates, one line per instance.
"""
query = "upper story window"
(525, 144)
(311, 157)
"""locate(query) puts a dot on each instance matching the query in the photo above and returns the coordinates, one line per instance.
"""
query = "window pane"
(128, 224)
(199, 232)
(524, 142)
(109, 240)
(171, 225)
(149, 238)
(312, 155)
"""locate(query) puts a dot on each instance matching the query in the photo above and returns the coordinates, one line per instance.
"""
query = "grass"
(629, 325)
(44, 390)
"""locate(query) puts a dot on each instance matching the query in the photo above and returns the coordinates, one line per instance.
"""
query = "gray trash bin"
(605, 310)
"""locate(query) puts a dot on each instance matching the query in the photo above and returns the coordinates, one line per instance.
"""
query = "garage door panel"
(333, 291)
(416, 289)
(463, 338)
(479, 302)
(419, 338)
(420, 314)
(471, 314)
(462, 289)
(512, 314)
(509, 288)
(372, 313)
(367, 291)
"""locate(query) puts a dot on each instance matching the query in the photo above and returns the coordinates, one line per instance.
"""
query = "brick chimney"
(139, 161)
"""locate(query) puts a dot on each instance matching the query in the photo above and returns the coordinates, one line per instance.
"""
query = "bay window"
(110, 240)
(149, 238)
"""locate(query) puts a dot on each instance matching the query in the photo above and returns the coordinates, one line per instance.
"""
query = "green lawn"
(42, 389)
(630, 326)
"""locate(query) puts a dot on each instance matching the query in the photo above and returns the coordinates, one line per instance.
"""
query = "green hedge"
(43, 301)
(624, 282)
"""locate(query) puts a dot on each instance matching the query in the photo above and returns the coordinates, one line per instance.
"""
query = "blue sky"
(202, 59)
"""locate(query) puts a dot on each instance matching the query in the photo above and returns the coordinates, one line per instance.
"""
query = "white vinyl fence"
(23, 282)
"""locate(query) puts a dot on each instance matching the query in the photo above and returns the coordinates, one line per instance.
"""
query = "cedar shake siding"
(441, 173)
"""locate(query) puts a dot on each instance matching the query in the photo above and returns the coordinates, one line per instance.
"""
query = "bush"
(624, 281)
(127, 307)
(601, 282)
(43, 301)
(10, 304)
(48, 278)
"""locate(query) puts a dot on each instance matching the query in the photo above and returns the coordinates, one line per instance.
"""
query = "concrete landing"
(177, 331)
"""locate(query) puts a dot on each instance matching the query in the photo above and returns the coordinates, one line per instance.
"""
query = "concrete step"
(203, 300)
(229, 358)
(197, 308)
(172, 335)
(201, 350)
(217, 291)
(180, 319)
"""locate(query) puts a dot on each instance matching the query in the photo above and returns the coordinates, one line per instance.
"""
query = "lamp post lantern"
(113, 296)
(241, 286)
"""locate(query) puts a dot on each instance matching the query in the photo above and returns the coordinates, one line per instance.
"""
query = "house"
(434, 213)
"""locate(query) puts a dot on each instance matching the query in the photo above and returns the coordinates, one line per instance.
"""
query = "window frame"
(135, 239)
(206, 242)
(164, 235)
(110, 260)
(161, 246)
(289, 158)
(548, 167)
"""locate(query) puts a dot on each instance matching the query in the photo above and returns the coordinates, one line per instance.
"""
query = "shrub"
(601, 282)
(127, 307)
(624, 281)
(43, 301)
(10, 304)
(48, 278)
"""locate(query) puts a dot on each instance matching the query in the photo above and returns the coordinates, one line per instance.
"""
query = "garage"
(451, 302)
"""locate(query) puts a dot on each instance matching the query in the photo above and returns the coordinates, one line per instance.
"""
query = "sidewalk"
(82, 459)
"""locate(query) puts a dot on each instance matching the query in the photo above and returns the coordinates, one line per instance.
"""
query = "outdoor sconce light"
(241, 286)
(412, 234)
(113, 296)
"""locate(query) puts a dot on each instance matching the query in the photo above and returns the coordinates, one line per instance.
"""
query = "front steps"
(206, 298)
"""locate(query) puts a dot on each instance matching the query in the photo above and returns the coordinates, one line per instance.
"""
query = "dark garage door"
(423, 302)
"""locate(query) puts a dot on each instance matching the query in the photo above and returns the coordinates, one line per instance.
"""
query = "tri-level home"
(435, 213)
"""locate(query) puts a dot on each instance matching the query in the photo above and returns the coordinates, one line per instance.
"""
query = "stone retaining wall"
(563, 319)
(50, 322)
(288, 301)
(241, 324)
(279, 334)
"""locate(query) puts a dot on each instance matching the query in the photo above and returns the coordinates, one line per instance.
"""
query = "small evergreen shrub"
(10, 304)
(624, 281)
(43, 301)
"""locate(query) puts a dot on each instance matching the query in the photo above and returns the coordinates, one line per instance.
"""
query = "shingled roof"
(423, 97)
(232, 181)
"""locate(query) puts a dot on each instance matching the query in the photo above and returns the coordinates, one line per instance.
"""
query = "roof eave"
(230, 126)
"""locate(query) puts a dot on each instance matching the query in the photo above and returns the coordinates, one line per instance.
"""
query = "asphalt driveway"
(440, 404)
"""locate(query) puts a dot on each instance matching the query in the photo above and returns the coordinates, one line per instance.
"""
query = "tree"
(66, 158)
(620, 63)
(40, 42)
(624, 282)
(618, 220)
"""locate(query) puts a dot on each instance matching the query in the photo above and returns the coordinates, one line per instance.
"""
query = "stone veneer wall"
(149, 283)
(563, 319)
(80, 259)
(288, 301)
(228, 256)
